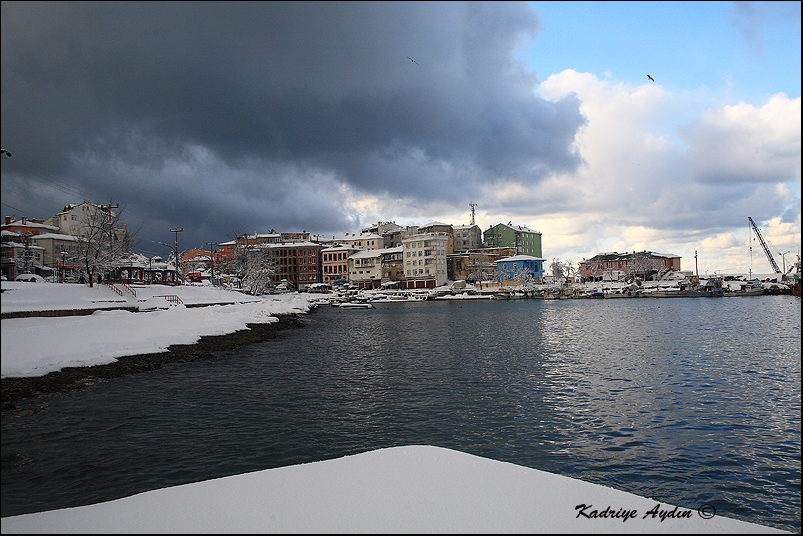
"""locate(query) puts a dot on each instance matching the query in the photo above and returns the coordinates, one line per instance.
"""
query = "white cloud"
(742, 143)
(639, 190)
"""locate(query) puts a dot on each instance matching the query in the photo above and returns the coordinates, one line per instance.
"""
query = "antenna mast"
(472, 205)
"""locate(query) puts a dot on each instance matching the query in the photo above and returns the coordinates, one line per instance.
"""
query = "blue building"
(513, 268)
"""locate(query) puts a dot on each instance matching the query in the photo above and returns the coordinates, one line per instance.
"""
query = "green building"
(526, 241)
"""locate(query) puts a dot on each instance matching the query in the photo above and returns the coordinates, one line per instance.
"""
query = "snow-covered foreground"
(400, 489)
(39, 345)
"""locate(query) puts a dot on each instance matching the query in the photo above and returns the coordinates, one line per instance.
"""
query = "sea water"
(689, 401)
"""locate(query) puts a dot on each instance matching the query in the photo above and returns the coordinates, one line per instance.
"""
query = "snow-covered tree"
(237, 264)
(523, 276)
(480, 268)
(259, 270)
(557, 269)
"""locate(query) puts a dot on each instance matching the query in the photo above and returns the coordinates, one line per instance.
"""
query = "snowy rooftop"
(515, 258)
(55, 236)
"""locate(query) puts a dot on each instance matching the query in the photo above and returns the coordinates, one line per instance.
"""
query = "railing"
(117, 290)
(129, 289)
(171, 298)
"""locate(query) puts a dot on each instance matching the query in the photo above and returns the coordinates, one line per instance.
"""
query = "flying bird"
(650, 77)
(412, 60)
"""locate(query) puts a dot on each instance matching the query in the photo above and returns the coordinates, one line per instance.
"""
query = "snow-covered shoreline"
(39, 345)
(413, 488)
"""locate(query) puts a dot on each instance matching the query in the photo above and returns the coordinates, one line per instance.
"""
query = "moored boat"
(712, 288)
(670, 293)
(750, 288)
(356, 305)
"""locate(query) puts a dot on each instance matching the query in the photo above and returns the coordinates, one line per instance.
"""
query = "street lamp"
(212, 257)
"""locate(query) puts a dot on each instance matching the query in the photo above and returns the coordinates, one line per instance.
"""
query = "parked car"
(30, 278)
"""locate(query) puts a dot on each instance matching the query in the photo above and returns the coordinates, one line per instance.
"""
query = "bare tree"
(571, 269)
(101, 243)
(643, 264)
(594, 270)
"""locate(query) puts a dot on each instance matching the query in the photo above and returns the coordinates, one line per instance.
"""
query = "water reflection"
(688, 402)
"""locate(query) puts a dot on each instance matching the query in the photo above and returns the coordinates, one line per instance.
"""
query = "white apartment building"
(365, 268)
(425, 259)
(362, 240)
(80, 220)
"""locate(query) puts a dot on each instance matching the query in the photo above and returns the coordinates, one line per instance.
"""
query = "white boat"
(464, 296)
(746, 289)
(356, 305)
(404, 299)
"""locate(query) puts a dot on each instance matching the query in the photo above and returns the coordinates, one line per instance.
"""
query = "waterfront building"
(425, 260)
(439, 227)
(334, 263)
(390, 231)
(392, 260)
(297, 262)
(525, 240)
(612, 266)
(475, 265)
(520, 269)
(365, 268)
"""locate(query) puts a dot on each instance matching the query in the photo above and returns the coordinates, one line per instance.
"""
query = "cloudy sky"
(216, 117)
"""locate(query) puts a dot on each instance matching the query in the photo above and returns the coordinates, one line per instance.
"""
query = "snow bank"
(39, 345)
(400, 489)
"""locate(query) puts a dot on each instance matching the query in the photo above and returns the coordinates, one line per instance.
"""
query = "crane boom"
(764, 245)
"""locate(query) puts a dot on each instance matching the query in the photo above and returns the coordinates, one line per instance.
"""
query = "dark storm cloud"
(325, 87)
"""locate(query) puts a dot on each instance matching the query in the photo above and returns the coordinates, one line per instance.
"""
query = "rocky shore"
(13, 389)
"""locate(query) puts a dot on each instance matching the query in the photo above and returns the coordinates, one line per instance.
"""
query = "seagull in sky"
(412, 60)
(650, 77)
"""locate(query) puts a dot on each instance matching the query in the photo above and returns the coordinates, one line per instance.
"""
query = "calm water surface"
(687, 401)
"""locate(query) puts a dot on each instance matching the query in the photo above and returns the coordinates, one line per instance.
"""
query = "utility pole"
(212, 256)
(27, 255)
(177, 260)
(108, 209)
